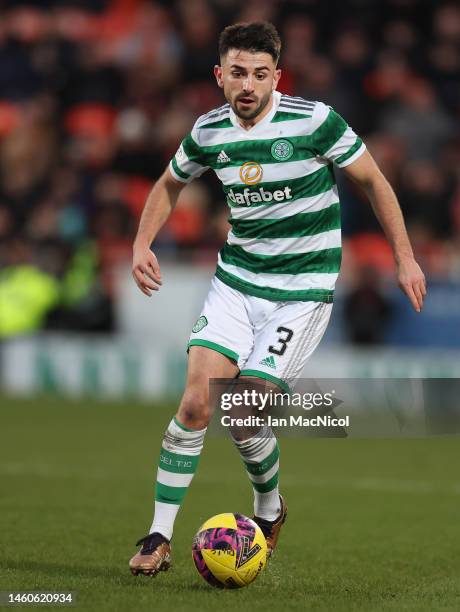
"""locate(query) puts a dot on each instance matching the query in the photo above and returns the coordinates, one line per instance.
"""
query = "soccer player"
(271, 297)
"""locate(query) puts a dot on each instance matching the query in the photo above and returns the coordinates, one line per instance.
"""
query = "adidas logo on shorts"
(269, 362)
(223, 158)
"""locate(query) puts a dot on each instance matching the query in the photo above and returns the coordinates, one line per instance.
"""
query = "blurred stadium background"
(95, 96)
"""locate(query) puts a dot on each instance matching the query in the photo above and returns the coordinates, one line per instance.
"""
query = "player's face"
(248, 80)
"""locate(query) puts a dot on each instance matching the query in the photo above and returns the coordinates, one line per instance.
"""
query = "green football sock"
(179, 456)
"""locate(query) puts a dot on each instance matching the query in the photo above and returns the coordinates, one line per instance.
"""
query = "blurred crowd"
(95, 96)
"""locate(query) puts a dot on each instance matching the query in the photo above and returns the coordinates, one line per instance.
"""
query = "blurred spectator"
(366, 309)
(418, 119)
(425, 191)
(27, 291)
(187, 226)
(199, 35)
(299, 35)
(259, 10)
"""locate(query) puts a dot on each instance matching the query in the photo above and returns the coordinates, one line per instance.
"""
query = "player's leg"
(285, 337)
(184, 437)
(179, 455)
(260, 454)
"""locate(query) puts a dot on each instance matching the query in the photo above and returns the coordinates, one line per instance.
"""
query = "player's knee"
(194, 409)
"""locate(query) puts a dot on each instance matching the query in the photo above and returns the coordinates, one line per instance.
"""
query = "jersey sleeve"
(333, 139)
(189, 161)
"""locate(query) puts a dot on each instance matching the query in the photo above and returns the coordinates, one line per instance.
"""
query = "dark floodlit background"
(95, 97)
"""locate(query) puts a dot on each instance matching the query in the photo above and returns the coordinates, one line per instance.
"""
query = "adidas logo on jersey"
(269, 362)
(248, 197)
(223, 158)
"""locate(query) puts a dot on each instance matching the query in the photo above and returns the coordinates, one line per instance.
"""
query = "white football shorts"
(269, 340)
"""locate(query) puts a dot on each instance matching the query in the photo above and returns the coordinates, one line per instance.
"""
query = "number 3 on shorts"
(283, 341)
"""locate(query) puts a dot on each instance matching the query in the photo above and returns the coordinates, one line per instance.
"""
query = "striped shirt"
(278, 179)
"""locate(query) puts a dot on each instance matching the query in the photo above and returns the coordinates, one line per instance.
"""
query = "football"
(229, 550)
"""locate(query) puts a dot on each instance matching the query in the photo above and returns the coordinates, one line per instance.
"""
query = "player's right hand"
(412, 282)
(146, 270)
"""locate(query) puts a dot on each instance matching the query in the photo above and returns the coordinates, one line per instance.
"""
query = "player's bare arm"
(411, 279)
(159, 205)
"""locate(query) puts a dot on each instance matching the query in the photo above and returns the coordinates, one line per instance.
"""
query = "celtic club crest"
(282, 150)
(201, 322)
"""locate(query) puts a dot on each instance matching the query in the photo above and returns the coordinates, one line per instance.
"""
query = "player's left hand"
(412, 282)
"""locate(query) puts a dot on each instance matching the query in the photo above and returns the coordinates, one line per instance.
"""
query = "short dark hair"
(256, 37)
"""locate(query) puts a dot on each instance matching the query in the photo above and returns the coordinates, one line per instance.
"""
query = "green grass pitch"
(372, 525)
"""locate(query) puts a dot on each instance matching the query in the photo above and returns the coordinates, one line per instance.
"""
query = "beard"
(250, 113)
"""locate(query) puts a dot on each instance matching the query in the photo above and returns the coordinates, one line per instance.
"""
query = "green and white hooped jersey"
(285, 239)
